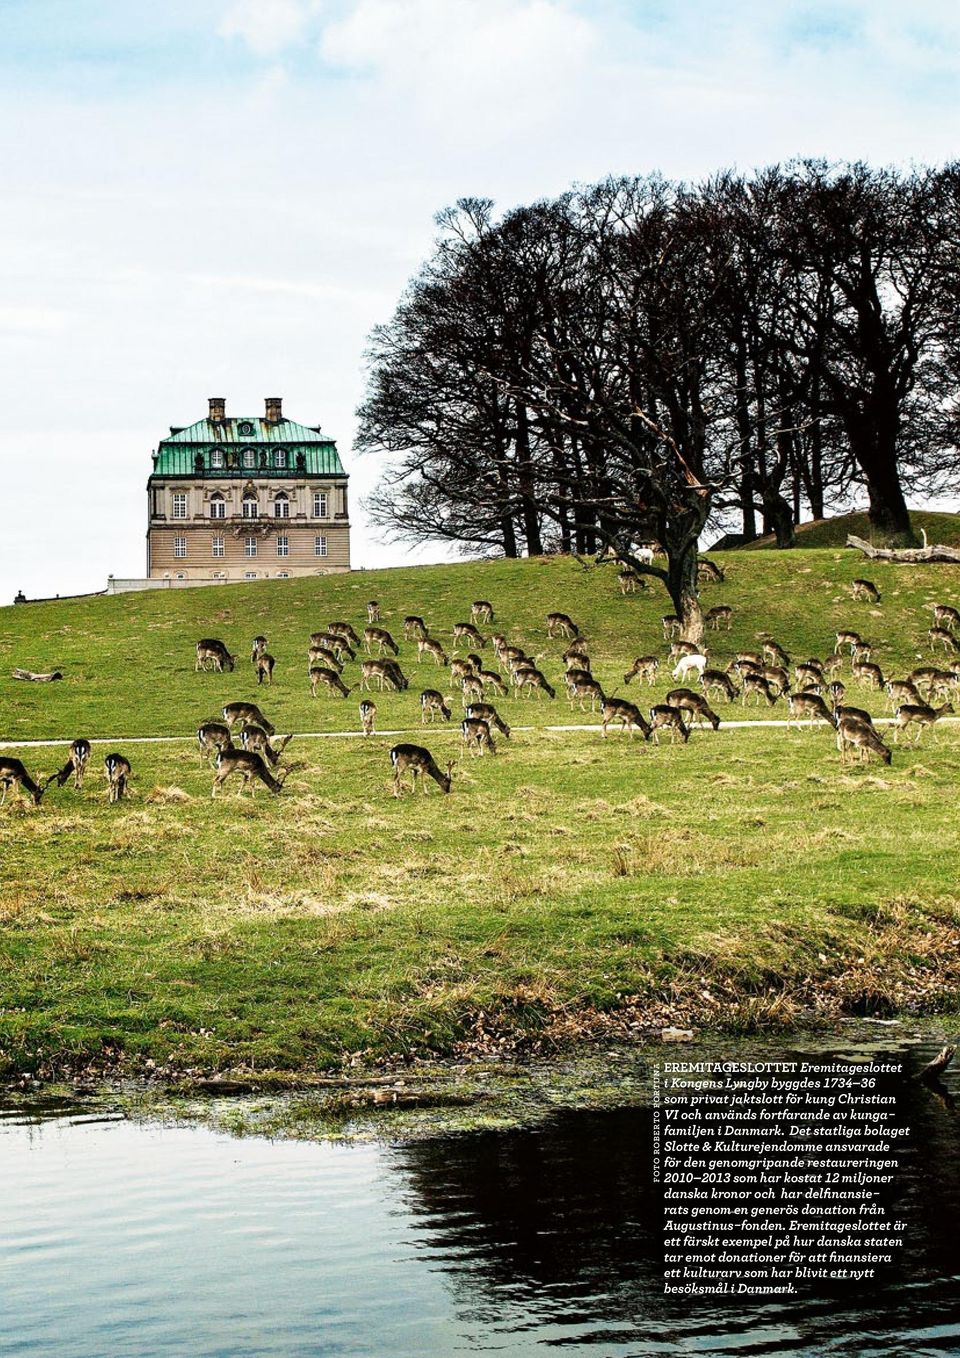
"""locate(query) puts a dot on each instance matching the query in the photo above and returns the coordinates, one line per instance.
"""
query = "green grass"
(745, 878)
(943, 529)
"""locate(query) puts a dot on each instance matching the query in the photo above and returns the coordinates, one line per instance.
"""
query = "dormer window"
(246, 428)
(216, 457)
(280, 458)
(249, 457)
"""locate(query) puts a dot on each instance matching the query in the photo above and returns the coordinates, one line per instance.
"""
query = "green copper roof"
(186, 452)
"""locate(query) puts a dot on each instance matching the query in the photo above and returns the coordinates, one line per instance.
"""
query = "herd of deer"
(814, 692)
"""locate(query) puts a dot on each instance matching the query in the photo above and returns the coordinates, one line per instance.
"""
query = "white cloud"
(477, 66)
(268, 27)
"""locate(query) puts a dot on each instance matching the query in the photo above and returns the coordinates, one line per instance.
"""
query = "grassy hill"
(940, 528)
(569, 885)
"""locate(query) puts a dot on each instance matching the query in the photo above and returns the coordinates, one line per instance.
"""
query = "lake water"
(122, 1239)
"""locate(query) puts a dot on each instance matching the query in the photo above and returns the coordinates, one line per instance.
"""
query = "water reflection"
(119, 1239)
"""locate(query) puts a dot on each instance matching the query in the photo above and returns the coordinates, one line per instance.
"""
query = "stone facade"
(246, 499)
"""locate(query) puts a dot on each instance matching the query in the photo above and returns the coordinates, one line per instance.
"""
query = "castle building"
(246, 499)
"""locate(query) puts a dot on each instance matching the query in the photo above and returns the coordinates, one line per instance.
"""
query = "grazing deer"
(808, 707)
(629, 716)
(671, 625)
(481, 610)
(663, 717)
(942, 636)
(808, 672)
(421, 764)
(679, 648)
(212, 736)
(577, 647)
(76, 764)
(866, 591)
(331, 681)
(379, 670)
(381, 638)
(118, 772)
(709, 570)
(471, 690)
(629, 581)
(694, 703)
(397, 675)
(920, 716)
(465, 631)
(645, 554)
(560, 622)
(579, 663)
(432, 702)
(857, 713)
(323, 655)
(723, 613)
(851, 639)
(14, 774)
(945, 616)
(476, 735)
(462, 669)
(529, 678)
(334, 642)
(586, 687)
(690, 664)
(368, 716)
(373, 611)
(716, 679)
(413, 627)
(833, 664)
(854, 734)
(248, 713)
(343, 629)
(752, 658)
(861, 654)
(211, 650)
(264, 664)
(490, 679)
(755, 683)
(942, 684)
(259, 645)
(777, 676)
(645, 667)
(836, 692)
(256, 740)
(251, 769)
(491, 716)
(429, 646)
(869, 675)
(774, 653)
(902, 691)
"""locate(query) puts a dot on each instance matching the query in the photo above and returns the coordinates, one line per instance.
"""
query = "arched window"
(218, 506)
(280, 457)
(251, 507)
(281, 506)
(249, 457)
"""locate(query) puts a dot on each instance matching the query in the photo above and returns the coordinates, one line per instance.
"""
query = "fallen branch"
(37, 678)
(905, 554)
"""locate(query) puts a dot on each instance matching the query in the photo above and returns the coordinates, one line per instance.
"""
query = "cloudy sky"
(222, 197)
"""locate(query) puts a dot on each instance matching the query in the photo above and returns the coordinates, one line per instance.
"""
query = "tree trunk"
(682, 587)
(525, 481)
(888, 513)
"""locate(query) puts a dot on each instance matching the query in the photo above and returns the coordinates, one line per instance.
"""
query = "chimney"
(217, 408)
(274, 414)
